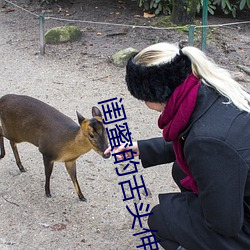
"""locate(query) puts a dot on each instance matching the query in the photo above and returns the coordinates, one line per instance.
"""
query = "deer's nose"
(106, 156)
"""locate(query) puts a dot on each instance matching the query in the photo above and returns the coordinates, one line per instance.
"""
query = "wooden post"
(204, 23)
(191, 35)
(42, 31)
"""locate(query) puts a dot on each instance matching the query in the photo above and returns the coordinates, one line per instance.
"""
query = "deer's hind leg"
(1, 144)
(71, 168)
(16, 154)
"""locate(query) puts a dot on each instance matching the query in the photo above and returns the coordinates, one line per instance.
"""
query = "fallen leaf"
(147, 15)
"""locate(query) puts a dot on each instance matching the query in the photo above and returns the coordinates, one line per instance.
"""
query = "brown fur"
(59, 138)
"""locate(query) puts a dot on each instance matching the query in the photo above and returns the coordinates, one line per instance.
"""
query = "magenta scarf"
(174, 119)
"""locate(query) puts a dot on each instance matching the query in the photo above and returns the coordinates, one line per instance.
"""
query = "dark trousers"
(156, 221)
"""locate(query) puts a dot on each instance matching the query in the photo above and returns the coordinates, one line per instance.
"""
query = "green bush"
(227, 6)
(232, 6)
(156, 6)
(211, 7)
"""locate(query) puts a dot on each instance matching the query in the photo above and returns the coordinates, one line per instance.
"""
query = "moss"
(63, 34)
(163, 22)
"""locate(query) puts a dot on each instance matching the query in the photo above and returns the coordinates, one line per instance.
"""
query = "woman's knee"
(157, 223)
(154, 218)
(159, 229)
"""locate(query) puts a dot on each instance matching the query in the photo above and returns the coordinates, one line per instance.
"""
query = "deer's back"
(24, 118)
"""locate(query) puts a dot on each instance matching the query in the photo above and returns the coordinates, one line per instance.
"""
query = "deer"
(58, 138)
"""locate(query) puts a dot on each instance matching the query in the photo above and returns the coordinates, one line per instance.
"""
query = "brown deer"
(59, 138)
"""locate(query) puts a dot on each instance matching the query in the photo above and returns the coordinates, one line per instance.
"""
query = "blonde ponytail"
(218, 78)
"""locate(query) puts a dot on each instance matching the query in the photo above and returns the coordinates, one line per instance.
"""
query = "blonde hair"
(202, 67)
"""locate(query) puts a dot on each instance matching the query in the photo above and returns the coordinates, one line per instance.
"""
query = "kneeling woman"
(205, 119)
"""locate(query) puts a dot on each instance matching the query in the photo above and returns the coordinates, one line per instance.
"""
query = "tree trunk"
(183, 11)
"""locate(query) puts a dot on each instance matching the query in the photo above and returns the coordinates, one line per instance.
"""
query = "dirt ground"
(76, 76)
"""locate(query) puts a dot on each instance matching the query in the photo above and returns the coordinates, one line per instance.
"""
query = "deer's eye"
(91, 136)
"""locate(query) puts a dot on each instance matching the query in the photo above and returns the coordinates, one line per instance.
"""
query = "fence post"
(191, 35)
(204, 24)
(42, 31)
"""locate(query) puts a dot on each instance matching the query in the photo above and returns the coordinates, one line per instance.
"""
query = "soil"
(76, 76)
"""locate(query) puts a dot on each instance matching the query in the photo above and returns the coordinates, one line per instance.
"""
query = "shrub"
(157, 6)
(165, 6)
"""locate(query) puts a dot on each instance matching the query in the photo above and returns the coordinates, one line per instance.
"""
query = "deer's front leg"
(71, 168)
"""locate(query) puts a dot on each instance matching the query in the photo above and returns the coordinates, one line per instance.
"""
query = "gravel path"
(69, 79)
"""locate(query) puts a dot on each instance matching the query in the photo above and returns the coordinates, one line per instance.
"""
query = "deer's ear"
(80, 118)
(96, 112)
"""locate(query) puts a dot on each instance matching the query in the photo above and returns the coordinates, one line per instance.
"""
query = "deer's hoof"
(82, 198)
(48, 195)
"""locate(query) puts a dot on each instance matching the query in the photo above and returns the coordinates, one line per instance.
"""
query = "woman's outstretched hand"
(122, 148)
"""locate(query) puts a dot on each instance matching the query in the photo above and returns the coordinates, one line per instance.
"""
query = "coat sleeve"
(155, 151)
(220, 173)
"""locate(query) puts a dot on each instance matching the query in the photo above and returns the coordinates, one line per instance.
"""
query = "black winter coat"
(216, 145)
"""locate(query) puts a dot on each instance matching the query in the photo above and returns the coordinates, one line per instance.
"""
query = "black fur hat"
(156, 83)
